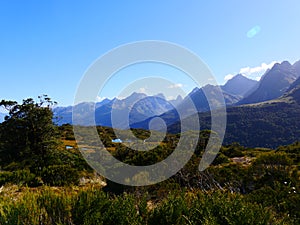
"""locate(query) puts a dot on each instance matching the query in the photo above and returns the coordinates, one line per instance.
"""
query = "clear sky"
(46, 46)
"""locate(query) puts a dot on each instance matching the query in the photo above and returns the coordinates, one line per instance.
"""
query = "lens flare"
(253, 31)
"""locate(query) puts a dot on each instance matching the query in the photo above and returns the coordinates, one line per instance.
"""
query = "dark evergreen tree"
(28, 134)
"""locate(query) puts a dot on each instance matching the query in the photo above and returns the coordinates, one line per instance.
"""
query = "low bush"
(60, 175)
(19, 177)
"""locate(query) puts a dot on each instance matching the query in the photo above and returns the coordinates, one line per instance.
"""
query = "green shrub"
(44, 207)
(220, 159)
(19, 177)
(283, 199)
(172, 210)
(233, 152)
(226, 208)
(215, 208)
(123, 210)
(60, 175)
(23, 211)
(56, 207)
(70, 137)
(89, 206)
(96, 207)
(5, 177)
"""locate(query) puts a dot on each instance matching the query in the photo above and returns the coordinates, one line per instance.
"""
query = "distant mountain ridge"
(200, 102)
(138, 106)
(151, 106)
(265, 124)
(261, 113)
(273, 83)
(239, 85)
(257, 111)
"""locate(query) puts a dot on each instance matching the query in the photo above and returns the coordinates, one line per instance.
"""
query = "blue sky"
(46, 46)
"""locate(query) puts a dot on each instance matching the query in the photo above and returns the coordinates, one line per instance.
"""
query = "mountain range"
(269, 123)
(136, 107)
(139, 106)
(266, 124)
(273, 83)
(259, 113)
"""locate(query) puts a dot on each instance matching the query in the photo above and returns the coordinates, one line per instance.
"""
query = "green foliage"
(172, 210)
(254, 186)
(233, 177)
(220, 159)
(45, 207)
(233, 150)
(66, 132)
(55, 207)
(268, 125)
(93, 206)
(96, 207)
(271, 167)
(225, 208)
(30, 146)
(141, 134)
(28, 132)
(19, 177)
(60, 175)
(283, 199)
(89, 206)
(293, 151)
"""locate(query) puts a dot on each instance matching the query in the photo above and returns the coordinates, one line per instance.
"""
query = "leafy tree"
(233, 150)
(28, 134)
(271, 167)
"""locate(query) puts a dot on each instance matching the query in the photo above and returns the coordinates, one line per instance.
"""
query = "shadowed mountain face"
(296, 66)
(198, 96)
(293, 93)
(266, 124)
(273, 84)
(239, 85)
(233, 91)
(2, 115)
(295, 84)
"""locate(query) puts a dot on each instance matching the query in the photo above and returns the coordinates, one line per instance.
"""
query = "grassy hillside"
(242, 186)
(44, 178)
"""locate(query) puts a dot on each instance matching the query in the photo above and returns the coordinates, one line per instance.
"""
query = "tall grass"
(35, 206)
(91, 206)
